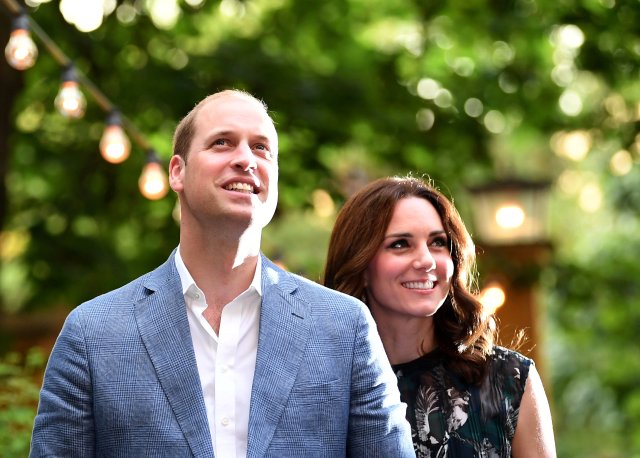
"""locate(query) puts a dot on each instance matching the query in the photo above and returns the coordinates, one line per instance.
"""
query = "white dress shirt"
(226, 362)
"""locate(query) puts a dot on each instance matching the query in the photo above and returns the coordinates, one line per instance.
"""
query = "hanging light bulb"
(21, 51)
(114, 144)
(70, 101)
(153, 182)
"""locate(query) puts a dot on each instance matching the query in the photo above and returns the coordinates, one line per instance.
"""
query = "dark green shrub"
(20, 379)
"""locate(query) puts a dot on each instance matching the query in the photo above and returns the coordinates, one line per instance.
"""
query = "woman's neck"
(406, 339)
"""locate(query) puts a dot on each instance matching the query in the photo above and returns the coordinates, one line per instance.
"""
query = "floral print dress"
(450, 418)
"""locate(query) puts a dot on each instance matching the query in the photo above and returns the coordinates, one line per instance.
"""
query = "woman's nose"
(424, 260)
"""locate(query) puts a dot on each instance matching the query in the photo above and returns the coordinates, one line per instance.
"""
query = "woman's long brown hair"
(462, 331)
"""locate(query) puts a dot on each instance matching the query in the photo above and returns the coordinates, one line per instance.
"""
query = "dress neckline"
(427, 361)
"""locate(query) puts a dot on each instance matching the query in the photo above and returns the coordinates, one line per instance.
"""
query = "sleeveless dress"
(450, 418)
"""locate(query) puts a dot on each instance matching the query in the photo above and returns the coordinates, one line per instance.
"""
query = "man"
(218, 352)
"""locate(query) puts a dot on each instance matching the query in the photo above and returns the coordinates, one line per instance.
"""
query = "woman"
(400, 246)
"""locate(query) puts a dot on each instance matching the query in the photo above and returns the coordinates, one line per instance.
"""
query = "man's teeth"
(418, 284)
(244, 187)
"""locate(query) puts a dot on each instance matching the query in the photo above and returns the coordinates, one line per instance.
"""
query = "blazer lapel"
(284, 330)
(163, 325)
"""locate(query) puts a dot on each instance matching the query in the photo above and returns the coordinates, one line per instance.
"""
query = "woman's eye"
(440, 242)
(219, 142)
(402, 243)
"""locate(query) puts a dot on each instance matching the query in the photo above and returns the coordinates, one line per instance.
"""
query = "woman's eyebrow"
(398, 234)
(409, 235)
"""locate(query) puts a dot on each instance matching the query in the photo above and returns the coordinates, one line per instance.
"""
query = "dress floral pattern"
(450, 418)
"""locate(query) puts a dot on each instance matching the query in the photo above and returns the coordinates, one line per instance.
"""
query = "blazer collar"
(284, 330)
(162, 321)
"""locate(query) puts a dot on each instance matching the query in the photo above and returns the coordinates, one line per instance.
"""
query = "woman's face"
(410, 275)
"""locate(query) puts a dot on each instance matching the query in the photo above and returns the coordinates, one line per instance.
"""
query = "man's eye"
(264, 151)
(219, 141)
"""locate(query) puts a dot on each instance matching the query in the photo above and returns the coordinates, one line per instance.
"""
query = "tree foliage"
(462, 91)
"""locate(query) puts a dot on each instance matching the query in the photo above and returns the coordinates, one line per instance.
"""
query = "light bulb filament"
(70, 101)
(510, 216)
(114, 145)
(21, 52)
(153, 181)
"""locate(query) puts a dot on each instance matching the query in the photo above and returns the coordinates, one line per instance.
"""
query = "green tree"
(462, 91)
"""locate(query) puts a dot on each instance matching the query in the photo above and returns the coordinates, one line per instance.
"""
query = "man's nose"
(244, 158)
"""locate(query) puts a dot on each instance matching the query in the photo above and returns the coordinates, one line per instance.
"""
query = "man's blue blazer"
(122, 379)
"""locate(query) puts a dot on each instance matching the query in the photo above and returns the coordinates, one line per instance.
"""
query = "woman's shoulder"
(509, 369)
(506, 355)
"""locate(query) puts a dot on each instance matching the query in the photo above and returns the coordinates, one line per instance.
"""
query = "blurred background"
(525, 112)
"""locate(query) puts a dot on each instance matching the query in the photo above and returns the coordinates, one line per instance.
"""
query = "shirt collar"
(187, 280)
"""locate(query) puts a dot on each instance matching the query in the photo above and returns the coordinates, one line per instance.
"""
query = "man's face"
(231, 170)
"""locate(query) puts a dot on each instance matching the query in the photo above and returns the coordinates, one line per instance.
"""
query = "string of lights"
(21, 53)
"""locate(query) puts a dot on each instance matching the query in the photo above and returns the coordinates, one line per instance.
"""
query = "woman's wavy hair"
(463, 332)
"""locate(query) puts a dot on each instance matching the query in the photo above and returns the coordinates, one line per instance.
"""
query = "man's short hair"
(186, 127)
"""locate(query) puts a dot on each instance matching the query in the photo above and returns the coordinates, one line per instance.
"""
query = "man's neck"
(222, 267)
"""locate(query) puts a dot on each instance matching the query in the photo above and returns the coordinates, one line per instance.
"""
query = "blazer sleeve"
(64, 423)
(377, 424)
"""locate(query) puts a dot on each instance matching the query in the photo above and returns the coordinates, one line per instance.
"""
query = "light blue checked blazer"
(122, 378)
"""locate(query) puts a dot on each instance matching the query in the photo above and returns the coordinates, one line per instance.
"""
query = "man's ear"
(176, 172)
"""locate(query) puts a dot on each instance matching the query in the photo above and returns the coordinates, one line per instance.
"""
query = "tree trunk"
(11, 82)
